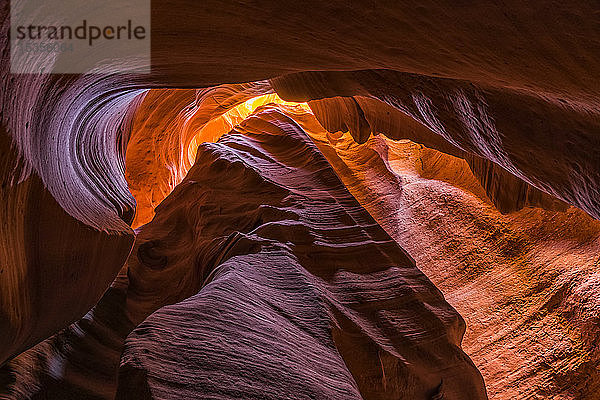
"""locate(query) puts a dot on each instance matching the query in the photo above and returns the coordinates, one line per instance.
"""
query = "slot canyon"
(306, 200)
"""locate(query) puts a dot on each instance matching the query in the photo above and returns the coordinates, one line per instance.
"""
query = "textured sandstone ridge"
(303, 294)
(526, 282)
(300, 293)
(169, 125)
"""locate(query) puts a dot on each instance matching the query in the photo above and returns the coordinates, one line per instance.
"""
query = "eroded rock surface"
(303, 294)
(526, 282)
(295, 290)
(511, 88)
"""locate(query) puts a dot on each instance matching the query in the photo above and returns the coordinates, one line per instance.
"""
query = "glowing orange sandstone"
(170, 125)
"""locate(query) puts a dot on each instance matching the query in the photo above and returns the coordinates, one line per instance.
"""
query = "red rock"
(302, 294)
(510, 88)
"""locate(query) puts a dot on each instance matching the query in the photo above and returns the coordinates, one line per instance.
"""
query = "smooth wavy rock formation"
(53, 268)
(383, 198)
(296, 292)
(303, 294)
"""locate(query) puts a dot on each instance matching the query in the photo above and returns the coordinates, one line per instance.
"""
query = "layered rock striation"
(509, 88)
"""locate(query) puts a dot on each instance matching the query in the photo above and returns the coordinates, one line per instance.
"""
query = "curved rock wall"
(169, 125)
(402, 186)
(53, 268)
(558, 155)
(298, 283)
(525, 282)
(511, 88)
(361, 116)
(271, 247)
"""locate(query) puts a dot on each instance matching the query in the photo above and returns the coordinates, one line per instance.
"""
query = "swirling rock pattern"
(65, 206)
(44, 251)
(283, 254)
